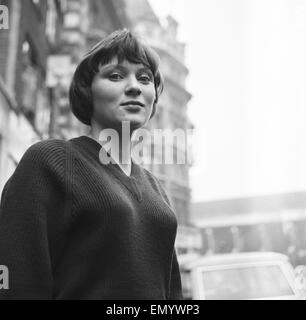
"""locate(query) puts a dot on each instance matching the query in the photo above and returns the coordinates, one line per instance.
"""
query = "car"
(239, 276)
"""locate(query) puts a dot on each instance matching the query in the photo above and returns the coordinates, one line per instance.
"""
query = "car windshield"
(246, 283)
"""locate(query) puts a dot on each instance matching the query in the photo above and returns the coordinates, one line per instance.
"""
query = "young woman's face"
(122, 92)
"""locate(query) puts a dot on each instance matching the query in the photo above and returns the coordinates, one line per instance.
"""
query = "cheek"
(102, 91)
(150, 95)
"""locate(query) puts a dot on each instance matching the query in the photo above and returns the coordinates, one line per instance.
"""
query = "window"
(277, 237)
(253, 238)
(223, 240)
(72, 20)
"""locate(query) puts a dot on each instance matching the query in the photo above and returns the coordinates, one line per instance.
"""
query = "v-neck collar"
(131, 182)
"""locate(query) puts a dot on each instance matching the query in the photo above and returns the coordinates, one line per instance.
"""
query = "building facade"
(24, 103)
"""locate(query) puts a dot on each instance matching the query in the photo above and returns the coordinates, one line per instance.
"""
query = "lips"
(133, 103)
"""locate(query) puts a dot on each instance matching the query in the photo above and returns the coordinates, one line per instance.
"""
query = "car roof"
(235, 258)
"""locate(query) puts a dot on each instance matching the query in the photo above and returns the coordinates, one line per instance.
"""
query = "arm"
(175, 281)
(27, 204)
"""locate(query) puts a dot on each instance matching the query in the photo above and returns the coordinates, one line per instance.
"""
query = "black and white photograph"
(153, 150)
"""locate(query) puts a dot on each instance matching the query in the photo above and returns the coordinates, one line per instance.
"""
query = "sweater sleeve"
(175, 281)
(28, 202)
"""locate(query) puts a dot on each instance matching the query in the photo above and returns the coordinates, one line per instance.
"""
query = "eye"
(144, 77)
(115, 76)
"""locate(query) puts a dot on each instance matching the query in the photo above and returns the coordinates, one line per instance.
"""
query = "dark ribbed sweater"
(73, 228)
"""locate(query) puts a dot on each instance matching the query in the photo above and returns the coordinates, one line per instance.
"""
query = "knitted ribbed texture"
(73, 228)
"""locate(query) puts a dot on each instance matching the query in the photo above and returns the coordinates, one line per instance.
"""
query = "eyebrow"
(147, 69)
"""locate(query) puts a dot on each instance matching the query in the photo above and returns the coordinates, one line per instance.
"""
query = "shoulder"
(45, 152)
(43, 159)
(45, 146)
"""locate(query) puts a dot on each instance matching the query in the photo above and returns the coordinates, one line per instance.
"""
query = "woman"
(72, 227)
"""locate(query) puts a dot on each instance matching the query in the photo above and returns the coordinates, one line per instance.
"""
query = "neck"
(119, 147)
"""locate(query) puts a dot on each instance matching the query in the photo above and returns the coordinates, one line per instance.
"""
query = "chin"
(136, 123)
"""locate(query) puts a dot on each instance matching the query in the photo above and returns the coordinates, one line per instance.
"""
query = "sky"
(248, 80)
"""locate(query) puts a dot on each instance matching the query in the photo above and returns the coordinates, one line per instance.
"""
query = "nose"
(133, 87)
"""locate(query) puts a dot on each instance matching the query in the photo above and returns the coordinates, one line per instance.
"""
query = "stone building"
(24, 97)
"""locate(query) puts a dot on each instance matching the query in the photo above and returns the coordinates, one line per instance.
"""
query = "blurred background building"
(25, 46)
(262, 223)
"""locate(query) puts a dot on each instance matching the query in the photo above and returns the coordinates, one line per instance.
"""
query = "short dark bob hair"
(123, 45)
